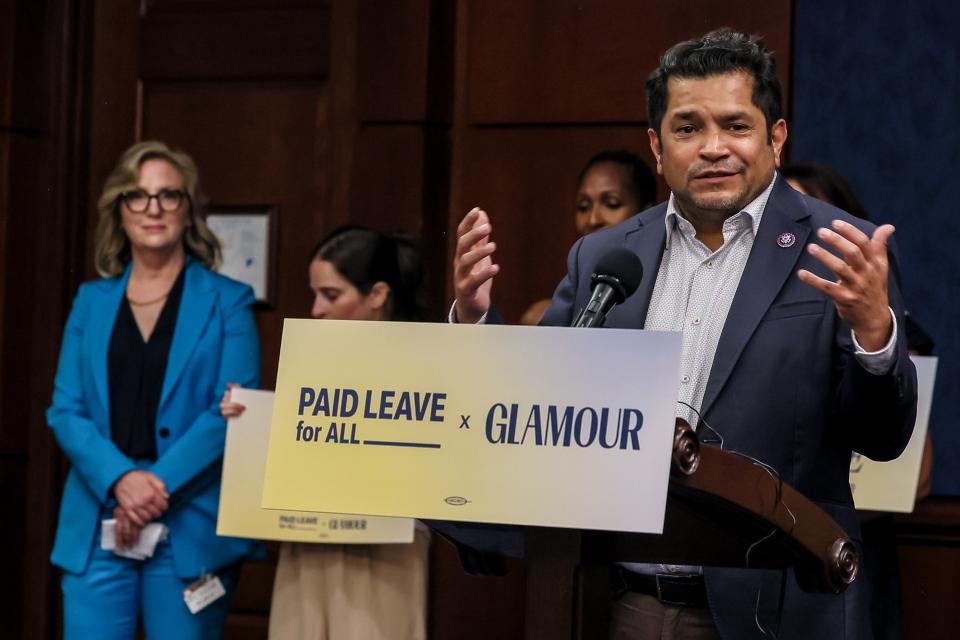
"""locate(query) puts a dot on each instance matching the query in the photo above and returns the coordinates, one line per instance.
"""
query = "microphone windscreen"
(623, 265)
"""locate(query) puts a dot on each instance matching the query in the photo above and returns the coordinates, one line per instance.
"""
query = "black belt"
(677, 591)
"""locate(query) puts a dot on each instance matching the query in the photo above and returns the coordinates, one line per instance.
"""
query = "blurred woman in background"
(611, 187)
(823, 183)
(145, 353)
(349, 591)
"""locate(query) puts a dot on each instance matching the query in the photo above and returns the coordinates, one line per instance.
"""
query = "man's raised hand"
(473, 267)
(860, 291)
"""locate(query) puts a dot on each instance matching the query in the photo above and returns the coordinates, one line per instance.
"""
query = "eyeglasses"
(138, 201)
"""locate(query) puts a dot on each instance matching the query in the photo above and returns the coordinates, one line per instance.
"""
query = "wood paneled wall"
(928, 545)
(399, 114)
(43, 63)
(242, 87)
(543, 86)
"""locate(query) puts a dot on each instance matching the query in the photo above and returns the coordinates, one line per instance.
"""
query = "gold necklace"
(144, 303)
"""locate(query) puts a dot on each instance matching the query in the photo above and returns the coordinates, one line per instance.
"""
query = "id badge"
(206, 589)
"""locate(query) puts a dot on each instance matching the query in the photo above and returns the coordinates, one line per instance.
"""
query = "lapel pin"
(786, 240)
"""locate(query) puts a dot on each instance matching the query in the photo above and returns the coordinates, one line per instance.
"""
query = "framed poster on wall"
(247, 234)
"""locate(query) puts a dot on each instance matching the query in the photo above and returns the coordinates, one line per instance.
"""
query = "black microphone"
(615, 278)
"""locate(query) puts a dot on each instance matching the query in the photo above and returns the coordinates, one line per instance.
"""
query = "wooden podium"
(723, 509)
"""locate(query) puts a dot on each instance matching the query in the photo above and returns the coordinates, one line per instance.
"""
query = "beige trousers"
(351, 592)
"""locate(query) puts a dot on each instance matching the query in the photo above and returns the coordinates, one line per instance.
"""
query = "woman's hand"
(230, 409)
(126, 531)
(142, 495)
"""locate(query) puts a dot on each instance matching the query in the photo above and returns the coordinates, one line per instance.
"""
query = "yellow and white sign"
(244, 462)
(892, 486)
(543, 426)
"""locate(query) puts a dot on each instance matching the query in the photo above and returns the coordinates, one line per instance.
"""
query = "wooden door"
(243, 87)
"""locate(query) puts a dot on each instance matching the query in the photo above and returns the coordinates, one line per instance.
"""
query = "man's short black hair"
(716, 53)
(642, 184)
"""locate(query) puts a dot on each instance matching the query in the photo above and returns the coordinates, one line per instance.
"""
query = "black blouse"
(135, 372)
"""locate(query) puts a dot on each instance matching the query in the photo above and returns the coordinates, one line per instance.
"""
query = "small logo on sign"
(786, 240)
(456, 501)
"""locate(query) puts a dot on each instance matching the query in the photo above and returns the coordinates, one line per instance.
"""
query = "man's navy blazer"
(784, 388)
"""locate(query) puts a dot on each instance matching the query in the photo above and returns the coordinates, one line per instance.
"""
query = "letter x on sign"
(464, 421)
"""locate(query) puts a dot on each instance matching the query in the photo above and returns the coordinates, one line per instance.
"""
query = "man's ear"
(656, 149)
(778, 138)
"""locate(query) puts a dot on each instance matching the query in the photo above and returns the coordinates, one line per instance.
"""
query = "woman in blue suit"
(135, 408)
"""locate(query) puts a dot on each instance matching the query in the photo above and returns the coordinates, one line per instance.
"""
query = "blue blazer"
(214, 342)
(784, 388)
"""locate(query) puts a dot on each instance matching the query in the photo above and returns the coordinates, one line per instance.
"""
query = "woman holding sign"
(354, 592)
(145, 352)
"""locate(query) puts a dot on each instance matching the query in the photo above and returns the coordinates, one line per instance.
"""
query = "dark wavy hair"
(642, 185)
(364, 257)
(823, 183)
(718, 52)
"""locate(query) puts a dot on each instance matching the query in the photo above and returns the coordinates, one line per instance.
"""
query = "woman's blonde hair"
(112, 244)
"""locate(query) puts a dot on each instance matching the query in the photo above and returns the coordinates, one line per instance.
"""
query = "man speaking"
(791, 322)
